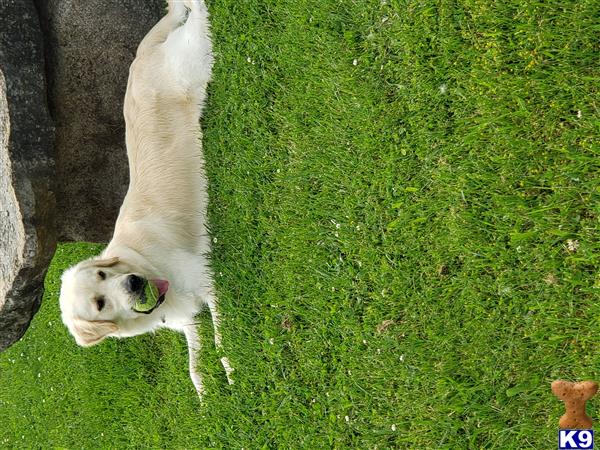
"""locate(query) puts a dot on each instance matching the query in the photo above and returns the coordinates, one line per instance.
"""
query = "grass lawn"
(405, 208)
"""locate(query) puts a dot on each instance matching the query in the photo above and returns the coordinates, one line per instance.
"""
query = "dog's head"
(98, 294)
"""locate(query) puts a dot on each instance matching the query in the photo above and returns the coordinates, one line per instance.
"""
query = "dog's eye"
(100, 302)
(102, 275)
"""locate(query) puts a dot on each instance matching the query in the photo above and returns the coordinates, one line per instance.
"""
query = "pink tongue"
(162, 286)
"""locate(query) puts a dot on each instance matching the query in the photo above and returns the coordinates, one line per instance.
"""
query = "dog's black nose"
(135, 284)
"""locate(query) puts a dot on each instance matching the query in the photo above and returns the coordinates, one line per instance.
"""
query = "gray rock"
(90, 46)
(27, 204)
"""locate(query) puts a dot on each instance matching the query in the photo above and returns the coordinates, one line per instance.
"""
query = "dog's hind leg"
(216, 320)
(188, 50)
(159, 33)
(193, 343)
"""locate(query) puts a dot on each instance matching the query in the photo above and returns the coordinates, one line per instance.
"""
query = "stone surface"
(27, 202)
(89, 47)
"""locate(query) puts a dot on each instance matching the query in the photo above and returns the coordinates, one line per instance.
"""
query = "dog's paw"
(196, 6)
(178, 12)
(228, 369)
(197, 380)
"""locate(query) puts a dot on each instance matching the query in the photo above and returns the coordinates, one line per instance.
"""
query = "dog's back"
(165, 95)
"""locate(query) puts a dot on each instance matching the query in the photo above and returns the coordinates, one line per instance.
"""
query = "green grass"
(397, 192)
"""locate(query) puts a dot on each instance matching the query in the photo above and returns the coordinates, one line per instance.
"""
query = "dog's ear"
(88, 333)
(98, 262)
(109, 262)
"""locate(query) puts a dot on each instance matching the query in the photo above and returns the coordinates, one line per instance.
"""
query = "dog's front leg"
(216, 320)
(193, 343)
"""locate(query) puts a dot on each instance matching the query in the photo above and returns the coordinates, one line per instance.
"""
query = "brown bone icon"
(575, 395)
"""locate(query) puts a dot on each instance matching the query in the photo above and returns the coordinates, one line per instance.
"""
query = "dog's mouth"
(153, 295)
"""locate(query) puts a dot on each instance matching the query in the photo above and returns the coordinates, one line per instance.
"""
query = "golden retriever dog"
(160, 236)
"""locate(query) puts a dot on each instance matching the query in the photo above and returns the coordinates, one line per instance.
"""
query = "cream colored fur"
(161, 229)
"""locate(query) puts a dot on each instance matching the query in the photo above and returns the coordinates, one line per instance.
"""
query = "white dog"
(160, 236)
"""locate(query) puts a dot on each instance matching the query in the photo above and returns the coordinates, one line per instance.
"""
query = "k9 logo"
(570, 439)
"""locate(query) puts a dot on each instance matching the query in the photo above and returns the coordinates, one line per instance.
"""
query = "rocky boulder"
(27, 202)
